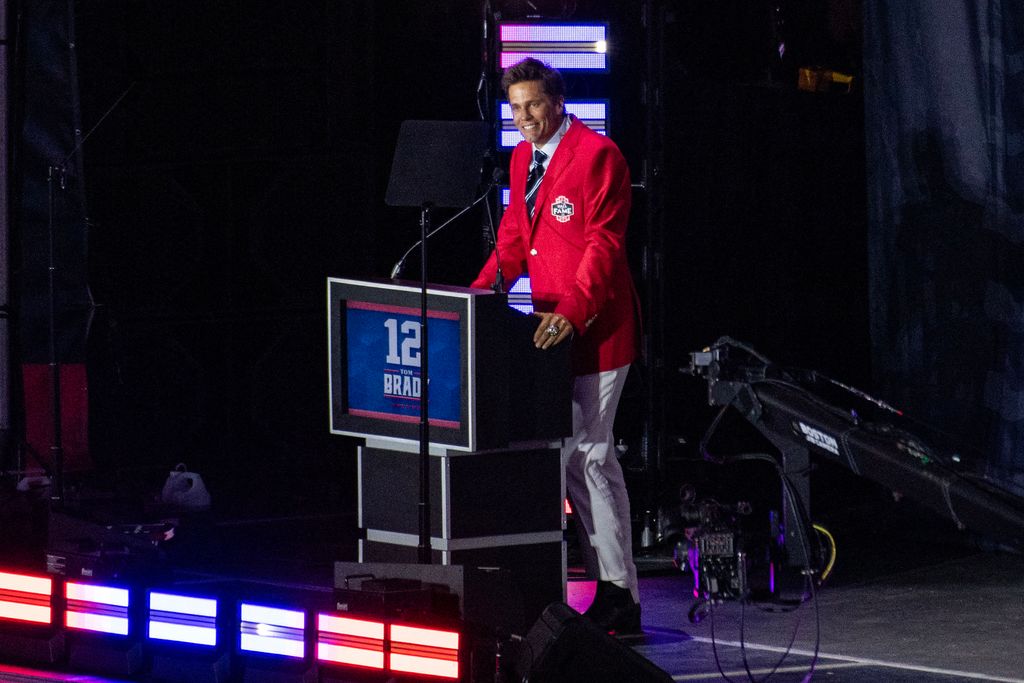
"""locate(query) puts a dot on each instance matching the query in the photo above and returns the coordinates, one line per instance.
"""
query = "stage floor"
(909, 599)
(957, 620)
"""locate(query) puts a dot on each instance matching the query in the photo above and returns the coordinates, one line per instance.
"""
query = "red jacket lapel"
(564, 153)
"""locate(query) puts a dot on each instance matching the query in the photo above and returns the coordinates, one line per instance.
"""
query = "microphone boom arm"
(400, 264)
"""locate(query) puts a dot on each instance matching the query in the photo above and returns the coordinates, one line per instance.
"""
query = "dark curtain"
(50, 232)
(944, 108)
(51, 193)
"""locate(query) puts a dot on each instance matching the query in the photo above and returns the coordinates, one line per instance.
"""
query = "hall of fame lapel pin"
(562, 209)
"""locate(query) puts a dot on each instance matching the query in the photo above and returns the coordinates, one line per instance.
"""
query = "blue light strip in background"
(519, 294)
(594, 113)
(567, 47)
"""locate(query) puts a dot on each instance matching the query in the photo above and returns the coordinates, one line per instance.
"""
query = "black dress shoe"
(614, 611)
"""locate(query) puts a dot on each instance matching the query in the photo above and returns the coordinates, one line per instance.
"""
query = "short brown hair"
(531, 69)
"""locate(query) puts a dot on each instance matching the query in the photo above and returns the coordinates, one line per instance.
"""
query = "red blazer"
(574, 247)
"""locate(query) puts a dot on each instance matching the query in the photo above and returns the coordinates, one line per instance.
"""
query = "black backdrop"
(249, 158)
(946, 117)
(239, 172)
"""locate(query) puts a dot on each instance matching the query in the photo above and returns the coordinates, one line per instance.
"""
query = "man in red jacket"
(566, 226)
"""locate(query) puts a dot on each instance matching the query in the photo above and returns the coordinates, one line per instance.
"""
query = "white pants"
(594, 478)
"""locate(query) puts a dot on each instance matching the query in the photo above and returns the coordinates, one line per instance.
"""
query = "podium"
(498, 411)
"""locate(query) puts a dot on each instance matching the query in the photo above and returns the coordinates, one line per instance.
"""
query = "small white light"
(601, 46)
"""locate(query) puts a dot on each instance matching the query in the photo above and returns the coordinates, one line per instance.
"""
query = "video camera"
(728, 551)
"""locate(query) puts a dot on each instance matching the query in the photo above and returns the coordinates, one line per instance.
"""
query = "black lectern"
(489, 385)
(498, 409)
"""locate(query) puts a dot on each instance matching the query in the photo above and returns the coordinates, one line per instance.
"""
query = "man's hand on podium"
(553, 329)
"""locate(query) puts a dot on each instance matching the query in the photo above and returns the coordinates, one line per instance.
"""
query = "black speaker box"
(565, 647)
(485, 597)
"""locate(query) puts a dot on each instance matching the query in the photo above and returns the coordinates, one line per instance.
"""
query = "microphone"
(497, 175)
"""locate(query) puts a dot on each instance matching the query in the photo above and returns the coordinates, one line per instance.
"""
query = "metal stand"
(57, 445)
(796, 465)
(437, 163)
(423, 549)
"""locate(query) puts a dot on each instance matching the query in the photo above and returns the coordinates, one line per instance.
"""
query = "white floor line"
(764, 672)
(862, 660)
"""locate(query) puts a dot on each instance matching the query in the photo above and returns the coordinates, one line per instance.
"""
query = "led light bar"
(182, 619)
(426, 651)
(356, 642)
(567, 47)
(97, 608)
(520, 295)
(272, 630)
(24, 597)
(594, 113)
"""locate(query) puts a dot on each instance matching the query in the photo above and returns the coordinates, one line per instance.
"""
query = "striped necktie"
(534, 178)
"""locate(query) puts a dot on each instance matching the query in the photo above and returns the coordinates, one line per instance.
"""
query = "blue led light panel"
(594, 113)
(272, 630)
(182, 619)
(567, 47)
(520, 296)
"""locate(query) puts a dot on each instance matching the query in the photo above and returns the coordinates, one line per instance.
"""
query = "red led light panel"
(24, 597)
(424, 651)
(356, 642)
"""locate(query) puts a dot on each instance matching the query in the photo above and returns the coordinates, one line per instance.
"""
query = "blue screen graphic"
(384, 376)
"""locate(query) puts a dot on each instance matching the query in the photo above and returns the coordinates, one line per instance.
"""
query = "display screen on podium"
(383, 378)
(489, 384)
(375, 361)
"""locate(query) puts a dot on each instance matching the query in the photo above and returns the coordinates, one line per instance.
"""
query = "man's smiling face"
(536, 114)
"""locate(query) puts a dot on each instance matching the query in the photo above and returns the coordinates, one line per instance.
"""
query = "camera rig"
(803, 411)
(734, 551)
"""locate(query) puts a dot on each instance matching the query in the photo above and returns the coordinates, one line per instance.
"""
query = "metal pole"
(5, 356)
(652, 443)
(57, 444)
(486, 105)
(424, 554)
